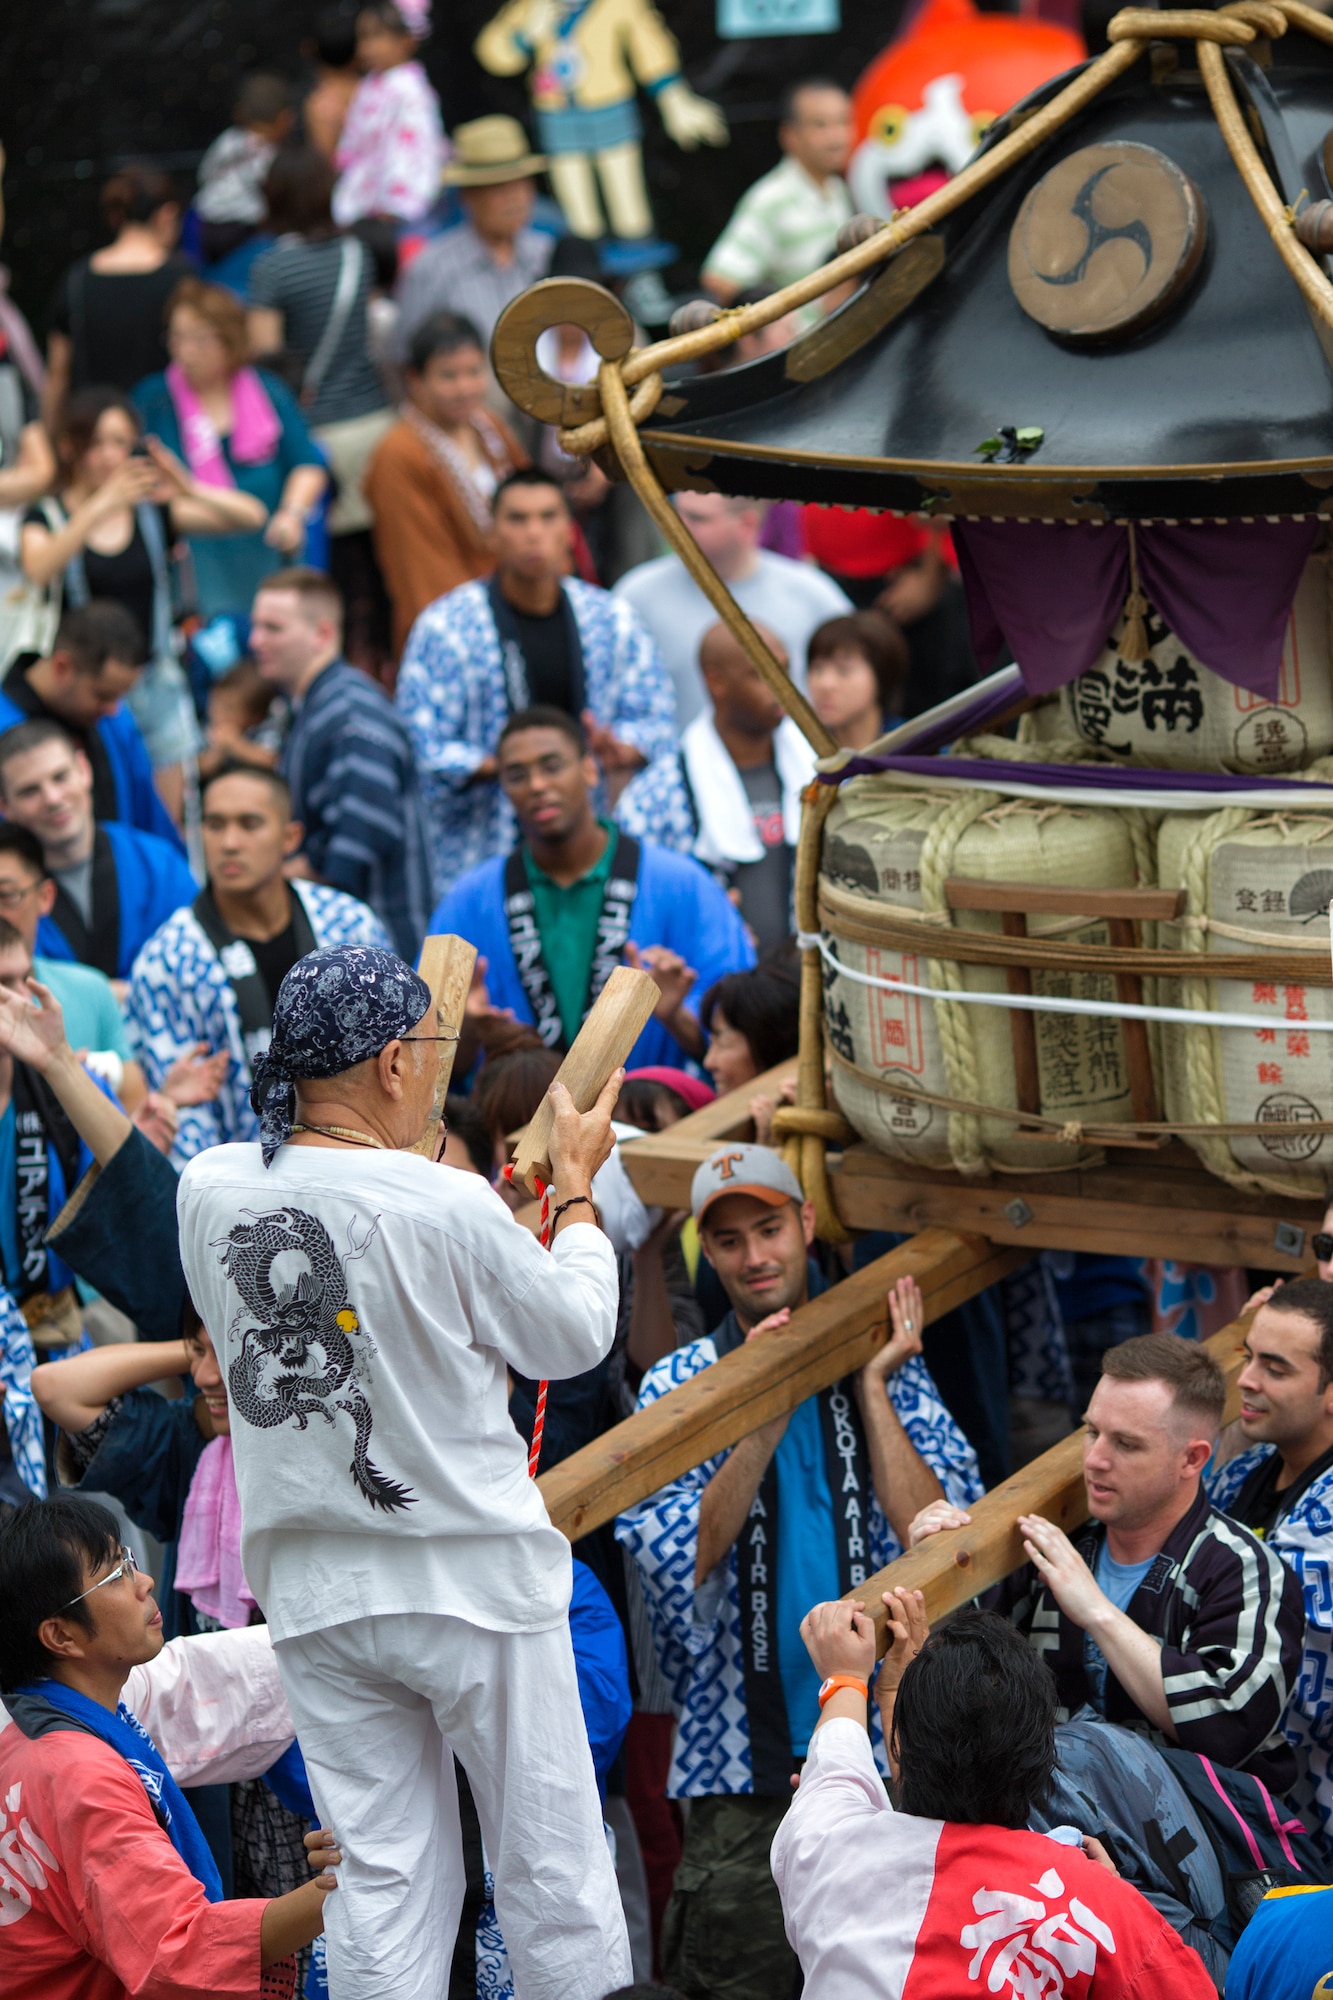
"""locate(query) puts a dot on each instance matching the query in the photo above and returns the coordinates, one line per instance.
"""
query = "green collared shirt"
(566, 920)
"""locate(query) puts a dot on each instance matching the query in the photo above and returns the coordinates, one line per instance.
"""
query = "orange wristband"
(836, 1681)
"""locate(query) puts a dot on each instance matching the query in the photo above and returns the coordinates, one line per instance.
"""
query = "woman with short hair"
(432, 479)
(236, 427)
(856, 667)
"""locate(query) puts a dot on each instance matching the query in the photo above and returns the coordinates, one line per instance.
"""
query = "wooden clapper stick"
(615, 1021)
(446, 965)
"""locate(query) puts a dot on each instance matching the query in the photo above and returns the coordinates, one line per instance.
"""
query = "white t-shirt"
(363, 1306)
(791, 598)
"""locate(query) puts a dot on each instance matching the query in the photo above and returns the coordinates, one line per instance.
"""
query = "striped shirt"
(782, 228)
(456, 273)
(300, 280)
(349, 763)
(1229, 1618)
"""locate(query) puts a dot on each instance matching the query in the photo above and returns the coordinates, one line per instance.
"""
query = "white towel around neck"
(727, 835)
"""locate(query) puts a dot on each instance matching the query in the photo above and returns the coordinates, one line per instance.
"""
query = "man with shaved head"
(731, 795)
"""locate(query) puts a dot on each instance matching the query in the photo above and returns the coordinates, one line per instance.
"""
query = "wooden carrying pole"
(615, 1021)
(825, 1339)
(956, 1565)
(446, 965)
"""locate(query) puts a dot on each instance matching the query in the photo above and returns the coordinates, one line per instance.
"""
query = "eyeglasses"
(10, 898)
(127, 1566)
(1322, 1245)
(451, 1036)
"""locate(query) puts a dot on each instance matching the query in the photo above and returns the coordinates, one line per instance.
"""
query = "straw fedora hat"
(489, 150)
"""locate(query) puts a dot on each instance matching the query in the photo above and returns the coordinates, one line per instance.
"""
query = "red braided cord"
(539, 1420)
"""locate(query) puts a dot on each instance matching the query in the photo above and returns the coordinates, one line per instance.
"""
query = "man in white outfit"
(364, 1302)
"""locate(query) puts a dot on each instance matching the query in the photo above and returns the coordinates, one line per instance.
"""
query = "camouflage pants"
(722, 1935)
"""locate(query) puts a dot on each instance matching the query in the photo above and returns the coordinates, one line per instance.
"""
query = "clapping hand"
(673, 976)
(196, 1077)
(611, 753)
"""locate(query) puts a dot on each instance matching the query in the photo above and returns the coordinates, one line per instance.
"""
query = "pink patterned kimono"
(392, 149)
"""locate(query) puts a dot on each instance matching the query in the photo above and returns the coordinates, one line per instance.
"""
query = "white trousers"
(379, 1705)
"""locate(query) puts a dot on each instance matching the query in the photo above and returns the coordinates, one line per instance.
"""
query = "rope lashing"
(1052, 1003)
(539, 1418)
(796, 1120)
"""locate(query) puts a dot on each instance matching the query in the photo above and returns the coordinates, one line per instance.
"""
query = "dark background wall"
(91, 83)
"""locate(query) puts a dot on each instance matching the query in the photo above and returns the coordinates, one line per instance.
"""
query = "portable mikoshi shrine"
(1066, 977)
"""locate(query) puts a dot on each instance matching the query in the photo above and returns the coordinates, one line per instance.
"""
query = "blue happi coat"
(152, 881)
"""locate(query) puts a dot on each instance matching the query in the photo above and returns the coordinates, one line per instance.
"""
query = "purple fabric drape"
(1053, 592)
(1078, 777)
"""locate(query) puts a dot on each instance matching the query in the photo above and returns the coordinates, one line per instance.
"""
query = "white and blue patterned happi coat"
(1304, 1540)
(179, 995)
(453, 696)
(698, 1632)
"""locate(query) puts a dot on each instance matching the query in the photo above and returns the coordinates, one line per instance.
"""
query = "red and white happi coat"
(882, 1906)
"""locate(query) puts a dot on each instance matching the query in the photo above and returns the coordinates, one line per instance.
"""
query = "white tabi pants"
(379, 1705)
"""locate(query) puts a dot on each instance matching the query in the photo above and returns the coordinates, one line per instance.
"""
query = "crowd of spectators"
(316, 641)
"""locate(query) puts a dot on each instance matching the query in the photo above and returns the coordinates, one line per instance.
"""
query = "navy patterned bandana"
(337, 1007)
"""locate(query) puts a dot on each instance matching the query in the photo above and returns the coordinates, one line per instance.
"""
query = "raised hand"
(32, 1034)
(907, 1319)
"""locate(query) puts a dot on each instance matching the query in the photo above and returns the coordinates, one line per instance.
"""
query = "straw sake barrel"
(889, 848)
(1254, 882)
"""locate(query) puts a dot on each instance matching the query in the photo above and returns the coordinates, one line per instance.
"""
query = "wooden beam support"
(445, 964)
(1033, 899)
(827, 1338)
(661, 1164)
(956, 1565)
(1164, 1205)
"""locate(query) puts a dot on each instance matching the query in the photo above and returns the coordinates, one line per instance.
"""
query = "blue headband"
(337, 1007)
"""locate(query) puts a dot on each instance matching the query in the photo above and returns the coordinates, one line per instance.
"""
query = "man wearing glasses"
(107, 1885)
(365, 1302)
(578, 894)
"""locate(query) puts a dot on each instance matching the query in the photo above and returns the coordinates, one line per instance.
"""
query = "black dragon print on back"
(303, 1348)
